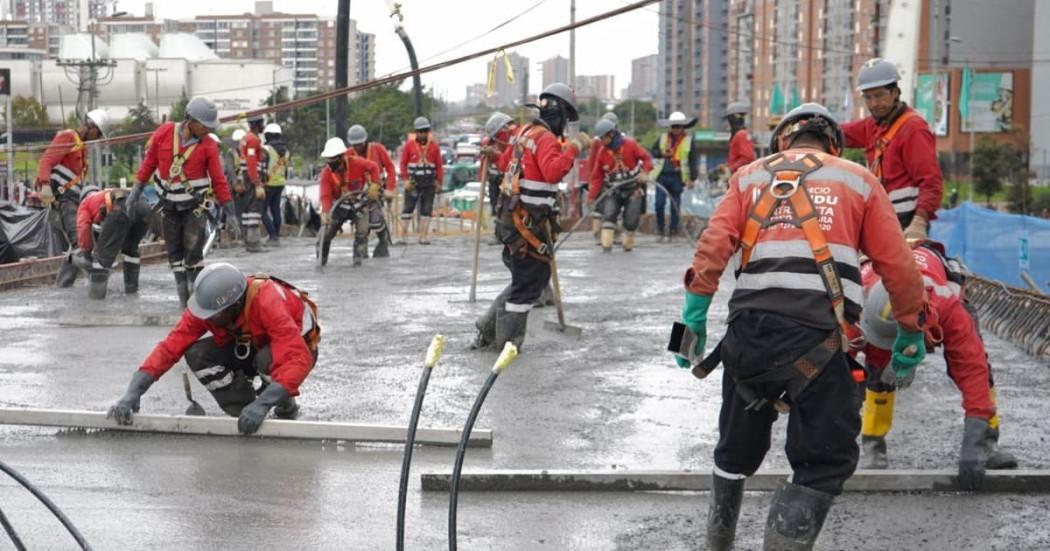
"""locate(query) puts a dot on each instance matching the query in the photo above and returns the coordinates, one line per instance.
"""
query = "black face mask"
(553, 117)
(335, 165)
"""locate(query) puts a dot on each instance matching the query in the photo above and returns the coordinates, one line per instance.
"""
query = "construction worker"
(190, 175)
(800, 219)
(349, 183)
(964, 354)
(277, 160)
(674, 170)
(585, 187)
(250, 188)
(619, 173)
(901, 150)
(60, 178)
(500, 130)
(527, 213)
(423, 175)
(357, 137)
(741, 148)
(108, 226)
(258, 325)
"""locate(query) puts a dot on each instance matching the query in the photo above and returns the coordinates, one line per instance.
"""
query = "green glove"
(694, 316)
(909, 349)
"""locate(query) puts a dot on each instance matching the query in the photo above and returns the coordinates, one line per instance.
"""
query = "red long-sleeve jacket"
(249, 151)
(275, 317)
(631, 155)
(203, 162)
(378, 154)
(412, 153)
(544, 159)
(66, 150)
(592, 157)
(504, 140)
(963, 348)
(741, 151)
(91, 211)
(910, 172)
(782, 277)
(356, 173)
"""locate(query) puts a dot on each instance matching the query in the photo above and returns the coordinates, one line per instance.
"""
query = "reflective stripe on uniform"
(223, 382)
(132, 260)
(904, 200)
(946, 291)
(512, 307)
(801, 282)
(843, 254)
(208, 371)
(835, 174)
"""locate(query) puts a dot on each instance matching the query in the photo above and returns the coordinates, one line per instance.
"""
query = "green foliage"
(1019, 197)
(387, 113)
(126, 156)
(856, 155)
(28, 113)
(644, 119)
(993, 163)
(304, 131)
(178, 109)
(280, 95)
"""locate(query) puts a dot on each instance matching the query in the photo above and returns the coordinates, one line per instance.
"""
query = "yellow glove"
(45, 194)
(260, 193)
(643, 177)
(388, 193)
(582, 141)
(916, 231)
(374, 191)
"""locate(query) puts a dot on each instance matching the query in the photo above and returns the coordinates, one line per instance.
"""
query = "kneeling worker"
(259, 325)
(120, 227)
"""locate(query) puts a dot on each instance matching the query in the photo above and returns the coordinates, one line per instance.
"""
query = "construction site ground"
(608, 400)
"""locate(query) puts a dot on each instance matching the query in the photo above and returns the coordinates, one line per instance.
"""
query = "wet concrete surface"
(607, 400)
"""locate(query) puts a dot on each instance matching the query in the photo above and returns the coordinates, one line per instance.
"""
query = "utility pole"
(342, 52)
(572, 46)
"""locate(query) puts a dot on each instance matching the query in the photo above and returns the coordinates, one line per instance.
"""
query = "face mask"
(617, 140)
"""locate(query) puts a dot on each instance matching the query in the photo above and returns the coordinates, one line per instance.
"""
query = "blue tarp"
(993, 244)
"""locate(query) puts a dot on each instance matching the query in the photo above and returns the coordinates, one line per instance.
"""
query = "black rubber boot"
(67, 274)
(252, 241)
(726, 495)
(973, 455)
(360, 250)
(382, 249)
(873, 453)
(510, 327)
(796, 516)
(98, 283)
(998, 458)
(131, 277)
(486, 324)
(326, 247)
(182, 288)
(286, 409)
(546, 298)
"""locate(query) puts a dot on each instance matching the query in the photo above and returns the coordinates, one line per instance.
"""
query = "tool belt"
(423, 174)
(243, 340)
(522, 228)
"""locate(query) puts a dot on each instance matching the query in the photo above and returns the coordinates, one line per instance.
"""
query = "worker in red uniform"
(250, 189)
(423, 174)
(357, 137)
(60, 180)
(588, 168)
(107, 226)
(500, 130)
(258, 325)
(535, 165)
(901, 150)
(741, 148)
(346, 182)
(618, 175)
(190, 178)
(799, 220)
(964, 353)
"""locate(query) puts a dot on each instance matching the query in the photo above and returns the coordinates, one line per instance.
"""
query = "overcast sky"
(435, 26)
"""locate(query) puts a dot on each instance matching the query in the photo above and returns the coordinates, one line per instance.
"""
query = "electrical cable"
(47, 503)
(11, 533)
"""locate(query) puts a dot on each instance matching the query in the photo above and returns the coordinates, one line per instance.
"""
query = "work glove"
(260, 192)
(82, 259)
(123, 411)
(134, 195)
(909, 349)
(643, 177)
(253, 415)
(232, 225)
(973, 455)
(326, 218)
(45, 194)
(410, 185)
(488, 151)
(388, 194)
(374, 191)
(694, 316)
(917, 230)
(582, 141)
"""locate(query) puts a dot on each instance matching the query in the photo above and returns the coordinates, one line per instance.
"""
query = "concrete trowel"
(194, 407)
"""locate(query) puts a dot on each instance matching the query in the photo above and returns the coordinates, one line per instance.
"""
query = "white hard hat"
(100, 119)
(876, 320)
(334, 147)
(678, 118)
(238, 134)
(272, 128)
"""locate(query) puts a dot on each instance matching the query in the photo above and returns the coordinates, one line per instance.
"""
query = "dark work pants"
(627, 199)
(249, 208)
(121, 234)
(422, 195)
(673, 182)
(184, 236)
(529, 276)
(65, 207)
(493, 193)
(272, 210)
(823, 423)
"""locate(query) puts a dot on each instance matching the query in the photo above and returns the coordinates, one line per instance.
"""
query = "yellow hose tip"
(509, 353)
(437, 346)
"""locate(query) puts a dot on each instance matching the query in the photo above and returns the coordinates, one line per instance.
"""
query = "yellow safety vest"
(680, 154)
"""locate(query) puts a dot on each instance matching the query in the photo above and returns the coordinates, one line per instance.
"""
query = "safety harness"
(883, 142)
(422, 172)
(177, 190)
(243, 338)
(788, 187)
(64, 179)
(525, 204)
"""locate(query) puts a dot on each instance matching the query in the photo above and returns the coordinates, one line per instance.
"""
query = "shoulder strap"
(178, 158)
(884, 141)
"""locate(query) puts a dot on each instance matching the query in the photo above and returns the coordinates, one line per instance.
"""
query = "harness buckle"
(779, 182)
(242, 349)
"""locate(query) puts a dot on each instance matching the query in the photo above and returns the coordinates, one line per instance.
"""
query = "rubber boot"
(596, 228)
(405, 226)
(628, 241)
(663, 236)
(608, 235)
(360, 250)
(252, 241)
(326, 247)
(273, 242)
(286, 409)
(796, 516)
(510, 327)
(131, 277)
(98, 283)
(486, 324)
(546, 298)
(424, 230)
(997, 458)
(382, 249)
(726, 495)
(873, 453)
(973, 455)
(182, 288)
(67, 274)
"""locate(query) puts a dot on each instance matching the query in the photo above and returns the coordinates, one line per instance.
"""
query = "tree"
(28, 113)
(994, 162)
(178, 109)
(643, 116)
(126, 156)
(386, 112)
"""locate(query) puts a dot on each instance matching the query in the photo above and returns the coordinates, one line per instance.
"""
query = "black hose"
(406, 462)
(84, 545)
(597, 202)
(676, 206)
(453, 498)
(11, 533)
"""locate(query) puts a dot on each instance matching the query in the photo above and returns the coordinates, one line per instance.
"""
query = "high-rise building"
(645, 74)
(555, 69)
(366, 57)
(506, 92)
(692, 58)
(600, 87)
(71, 13)
(476, 95)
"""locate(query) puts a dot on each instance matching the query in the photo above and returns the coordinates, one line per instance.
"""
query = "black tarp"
(26, 232)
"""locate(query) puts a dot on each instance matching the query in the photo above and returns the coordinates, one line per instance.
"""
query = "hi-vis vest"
(63, 179)
(175, 188)
(680, 154)
(276, 166)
